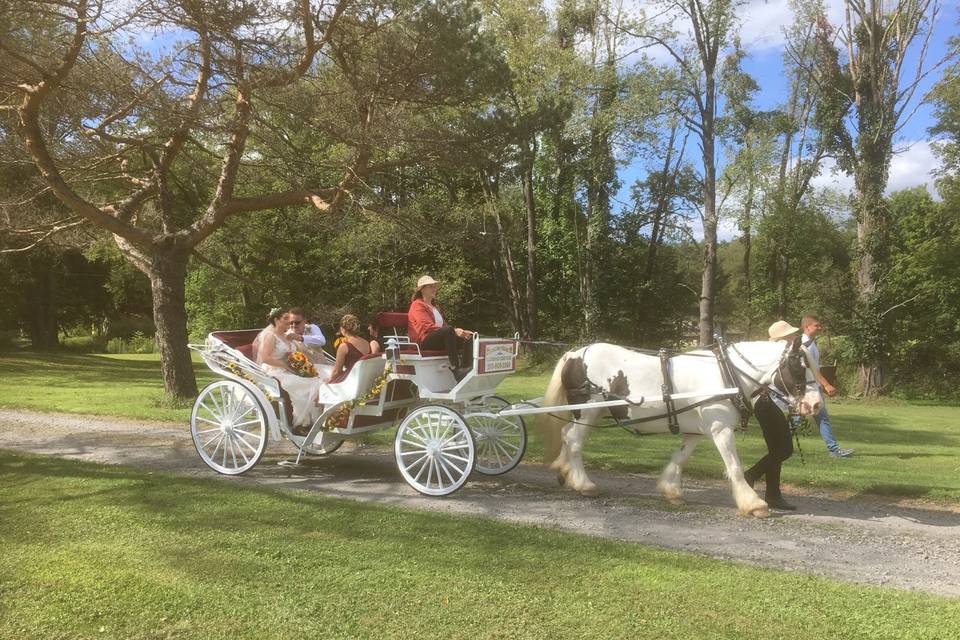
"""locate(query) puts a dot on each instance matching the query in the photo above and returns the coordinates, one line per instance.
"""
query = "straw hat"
(424, 281)
(781, 329)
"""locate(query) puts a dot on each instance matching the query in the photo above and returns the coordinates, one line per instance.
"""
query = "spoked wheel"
(229, 427)
(325, 443)
(501, 440)
(434, 450)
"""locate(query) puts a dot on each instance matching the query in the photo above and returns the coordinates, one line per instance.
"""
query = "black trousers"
(444, 339)
(776, 433)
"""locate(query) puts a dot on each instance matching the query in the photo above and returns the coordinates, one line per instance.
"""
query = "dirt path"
(853, 540)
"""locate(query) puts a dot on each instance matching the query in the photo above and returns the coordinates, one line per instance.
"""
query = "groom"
(309, 334)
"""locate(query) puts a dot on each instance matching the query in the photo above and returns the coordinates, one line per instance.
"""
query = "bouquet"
(301, 365)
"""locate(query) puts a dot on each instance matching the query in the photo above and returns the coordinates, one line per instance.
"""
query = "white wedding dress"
(302, 391)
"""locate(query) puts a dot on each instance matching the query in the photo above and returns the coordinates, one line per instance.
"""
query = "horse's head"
(795, 379)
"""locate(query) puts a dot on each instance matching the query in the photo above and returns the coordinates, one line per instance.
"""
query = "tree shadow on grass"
(880, 431)
(85, 368)
(245, 531)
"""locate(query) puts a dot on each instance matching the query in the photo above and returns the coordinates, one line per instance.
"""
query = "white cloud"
(763, 21)
(913, 164)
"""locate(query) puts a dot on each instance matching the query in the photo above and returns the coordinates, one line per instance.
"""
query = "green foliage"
(137, 343)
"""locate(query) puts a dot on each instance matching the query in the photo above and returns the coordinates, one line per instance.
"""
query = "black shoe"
(300, 429)
(778, 503)
(461, 372)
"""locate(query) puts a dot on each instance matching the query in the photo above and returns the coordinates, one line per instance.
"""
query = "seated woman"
(351, 350)
(271, 349)
(428, 328)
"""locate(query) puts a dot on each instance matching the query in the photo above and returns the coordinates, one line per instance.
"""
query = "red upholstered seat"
(393, 320)
(411, 349)
(241, 340)
(247, 351)
(397, 320)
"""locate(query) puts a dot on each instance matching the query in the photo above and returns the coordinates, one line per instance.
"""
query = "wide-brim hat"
(425, 281)
(781, 329)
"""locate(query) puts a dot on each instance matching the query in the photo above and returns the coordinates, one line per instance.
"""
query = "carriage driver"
(776, 431)
(428, 328)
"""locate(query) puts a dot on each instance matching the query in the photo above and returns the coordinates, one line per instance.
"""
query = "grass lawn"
(106, 552)
(903, 450)
(127, 385)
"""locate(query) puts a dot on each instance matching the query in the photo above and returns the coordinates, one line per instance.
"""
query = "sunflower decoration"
(235, 369)
(301, 365)
(338, 419)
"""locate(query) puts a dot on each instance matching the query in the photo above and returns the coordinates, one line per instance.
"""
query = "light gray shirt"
(313, 336)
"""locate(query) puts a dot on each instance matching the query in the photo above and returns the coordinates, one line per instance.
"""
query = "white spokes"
(229, 427)
(501, 440)
(434, 450)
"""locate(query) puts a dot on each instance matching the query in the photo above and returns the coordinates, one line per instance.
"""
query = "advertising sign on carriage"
(497, 356)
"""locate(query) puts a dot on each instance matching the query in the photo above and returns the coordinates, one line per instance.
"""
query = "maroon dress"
(353, 357)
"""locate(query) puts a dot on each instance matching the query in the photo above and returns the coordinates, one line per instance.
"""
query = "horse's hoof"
(760, 512)
(590, 492)
(675, 500)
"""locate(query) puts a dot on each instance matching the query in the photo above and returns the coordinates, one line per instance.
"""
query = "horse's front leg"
(571, 458)
(748, 502)
(669, 484)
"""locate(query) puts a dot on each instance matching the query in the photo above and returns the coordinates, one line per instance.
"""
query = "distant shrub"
(82, 344)
(137, 343)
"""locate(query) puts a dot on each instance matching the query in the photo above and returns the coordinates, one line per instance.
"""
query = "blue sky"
(761, 35)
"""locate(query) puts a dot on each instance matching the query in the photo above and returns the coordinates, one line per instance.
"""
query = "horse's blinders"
(791, 375)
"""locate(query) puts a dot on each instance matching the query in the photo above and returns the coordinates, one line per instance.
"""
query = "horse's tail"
(549, 424)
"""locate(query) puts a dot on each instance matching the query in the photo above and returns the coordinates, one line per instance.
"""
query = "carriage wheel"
(434, 450)
(229, 427)
(501, 440)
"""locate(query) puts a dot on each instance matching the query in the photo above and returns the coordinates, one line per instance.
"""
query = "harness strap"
(740, 401)
(667, 390)
(689, 407)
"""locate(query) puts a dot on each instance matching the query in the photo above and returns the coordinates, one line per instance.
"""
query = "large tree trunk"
(709, 280)
(746, 230)
(168, 272)
(530, 203)
(872, 242)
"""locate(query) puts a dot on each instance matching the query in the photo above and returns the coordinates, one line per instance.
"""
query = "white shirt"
(313, 336)
(437, 318)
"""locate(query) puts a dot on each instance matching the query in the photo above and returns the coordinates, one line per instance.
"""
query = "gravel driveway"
(906, 546)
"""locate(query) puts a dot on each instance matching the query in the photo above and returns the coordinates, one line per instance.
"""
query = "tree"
(871, 100)
(161, 148)
(711, 30)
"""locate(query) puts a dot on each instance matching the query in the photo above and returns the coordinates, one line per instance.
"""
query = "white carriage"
(447, 429)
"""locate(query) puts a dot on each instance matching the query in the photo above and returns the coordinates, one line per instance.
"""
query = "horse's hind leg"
(748, 502)
(669, 484)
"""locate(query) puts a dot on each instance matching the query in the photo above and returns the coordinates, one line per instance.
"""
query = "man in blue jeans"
(811, 327)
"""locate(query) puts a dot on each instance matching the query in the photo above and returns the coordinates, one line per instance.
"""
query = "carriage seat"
(241, 340)
(358, 381)
(397, 320)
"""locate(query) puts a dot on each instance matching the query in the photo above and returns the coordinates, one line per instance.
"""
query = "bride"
(272, 347)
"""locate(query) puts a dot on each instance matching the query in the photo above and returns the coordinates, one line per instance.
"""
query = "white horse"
(605, 371)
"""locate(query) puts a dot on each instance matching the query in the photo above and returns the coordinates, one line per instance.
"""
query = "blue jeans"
(826, 431)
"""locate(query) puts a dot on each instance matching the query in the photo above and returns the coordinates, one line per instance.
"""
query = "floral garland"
(339, 417)
(235, 369)
(300, 364)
